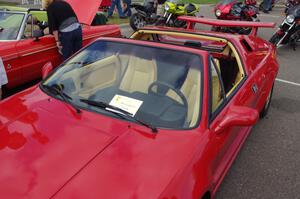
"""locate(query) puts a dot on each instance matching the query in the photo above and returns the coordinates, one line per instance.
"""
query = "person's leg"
(129, 7)
(111, 8)
(119, 7)
(65, 39)
(77, 39)
(127, 11)
(267, 5)
(0, 93)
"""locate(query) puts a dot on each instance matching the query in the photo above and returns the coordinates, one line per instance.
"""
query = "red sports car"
(161, 115)
(25, 43)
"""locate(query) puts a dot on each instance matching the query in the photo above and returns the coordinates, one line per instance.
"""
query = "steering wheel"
(166, 85)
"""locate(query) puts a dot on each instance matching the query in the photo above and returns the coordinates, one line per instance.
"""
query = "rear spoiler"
(191, 21)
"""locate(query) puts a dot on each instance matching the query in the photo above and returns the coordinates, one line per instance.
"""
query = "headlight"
(167, 7)
(218, 13)
(290, 18)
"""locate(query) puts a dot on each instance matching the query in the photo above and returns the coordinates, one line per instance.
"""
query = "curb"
(123, 25)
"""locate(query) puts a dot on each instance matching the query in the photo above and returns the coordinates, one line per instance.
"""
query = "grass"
(7, 4)
(116, 20)
(188, 1)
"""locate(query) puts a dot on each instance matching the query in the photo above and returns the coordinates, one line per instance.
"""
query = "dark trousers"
(267, 4)
(71, 42)
(115, 3)
(127, 10)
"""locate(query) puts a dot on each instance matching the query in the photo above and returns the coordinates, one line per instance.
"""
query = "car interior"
(224, 55)
(33, 24)
(141, 77)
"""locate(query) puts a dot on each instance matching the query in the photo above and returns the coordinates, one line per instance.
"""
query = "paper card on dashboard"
(126, 103)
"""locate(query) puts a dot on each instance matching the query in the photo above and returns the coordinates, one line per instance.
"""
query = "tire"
(215, 29)
(275, 39)
(263, 113)
(136, 21)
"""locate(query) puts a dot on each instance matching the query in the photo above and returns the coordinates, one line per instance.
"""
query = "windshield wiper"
(58, 90)
(80, 63)
(118, 111)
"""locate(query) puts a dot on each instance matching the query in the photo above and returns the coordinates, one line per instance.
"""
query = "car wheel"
(266, 107)
(136, 21)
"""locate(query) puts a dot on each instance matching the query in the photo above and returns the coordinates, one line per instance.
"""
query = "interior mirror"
(47, 68)
(37, 34)
(238, 116)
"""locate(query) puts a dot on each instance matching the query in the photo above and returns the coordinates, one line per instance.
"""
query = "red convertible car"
(25, 45)
(160, 115)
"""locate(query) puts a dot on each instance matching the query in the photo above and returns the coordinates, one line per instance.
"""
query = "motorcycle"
(236, 10)
(145, 14)
(173, 9)
(289, 30)
(288, 4)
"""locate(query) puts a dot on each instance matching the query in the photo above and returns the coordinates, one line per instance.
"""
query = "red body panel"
(65, 155)
(23, 60)
(85, 11)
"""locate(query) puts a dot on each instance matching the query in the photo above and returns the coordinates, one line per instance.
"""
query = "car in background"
(160, 115)
(26, 45)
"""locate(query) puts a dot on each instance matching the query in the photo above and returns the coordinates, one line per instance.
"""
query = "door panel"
(224, 145)
(10, 60)
(33, 54)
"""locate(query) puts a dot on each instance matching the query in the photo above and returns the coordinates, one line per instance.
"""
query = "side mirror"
(47, 68)
(37, 34)
(238, 116)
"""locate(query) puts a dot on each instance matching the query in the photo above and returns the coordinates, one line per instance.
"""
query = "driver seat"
(140, 73)
(31, 25)
(191, 90)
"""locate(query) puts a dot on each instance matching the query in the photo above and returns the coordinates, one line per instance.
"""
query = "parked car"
(26, 44)
(160, 115)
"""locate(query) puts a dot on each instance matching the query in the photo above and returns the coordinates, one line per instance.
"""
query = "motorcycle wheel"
(275, 39)
(215, 29)
(136, 21)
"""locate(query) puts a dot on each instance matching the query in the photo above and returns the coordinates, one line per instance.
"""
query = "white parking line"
(268, 15)
(287, 82)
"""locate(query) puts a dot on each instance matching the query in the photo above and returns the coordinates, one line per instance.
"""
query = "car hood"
(48, 150)
(85, 11)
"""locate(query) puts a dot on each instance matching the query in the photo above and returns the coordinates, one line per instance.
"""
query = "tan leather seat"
(140, 73)
(31, 26)
(191, 90)
(100, 74)
(216, 94)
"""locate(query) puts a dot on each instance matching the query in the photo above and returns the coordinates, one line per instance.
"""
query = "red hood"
(46, 149)
(85, 10)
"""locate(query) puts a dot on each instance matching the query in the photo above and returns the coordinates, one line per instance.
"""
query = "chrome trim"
(168, 19)
(22, 28)
(38, 51)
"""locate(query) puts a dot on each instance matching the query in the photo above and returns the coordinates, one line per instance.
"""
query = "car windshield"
(156, 85)
(10, 24)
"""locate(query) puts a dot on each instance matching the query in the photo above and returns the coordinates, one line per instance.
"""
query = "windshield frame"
(199, 53)
(22, 25)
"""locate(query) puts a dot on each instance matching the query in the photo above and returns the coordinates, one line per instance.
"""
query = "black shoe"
(266, 11)
(123, 17)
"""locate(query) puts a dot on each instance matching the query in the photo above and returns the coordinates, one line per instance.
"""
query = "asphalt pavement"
(268, 165)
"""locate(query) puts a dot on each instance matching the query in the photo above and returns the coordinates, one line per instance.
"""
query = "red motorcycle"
(236, 10)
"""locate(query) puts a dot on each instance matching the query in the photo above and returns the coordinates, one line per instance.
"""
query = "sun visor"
(85, 10)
